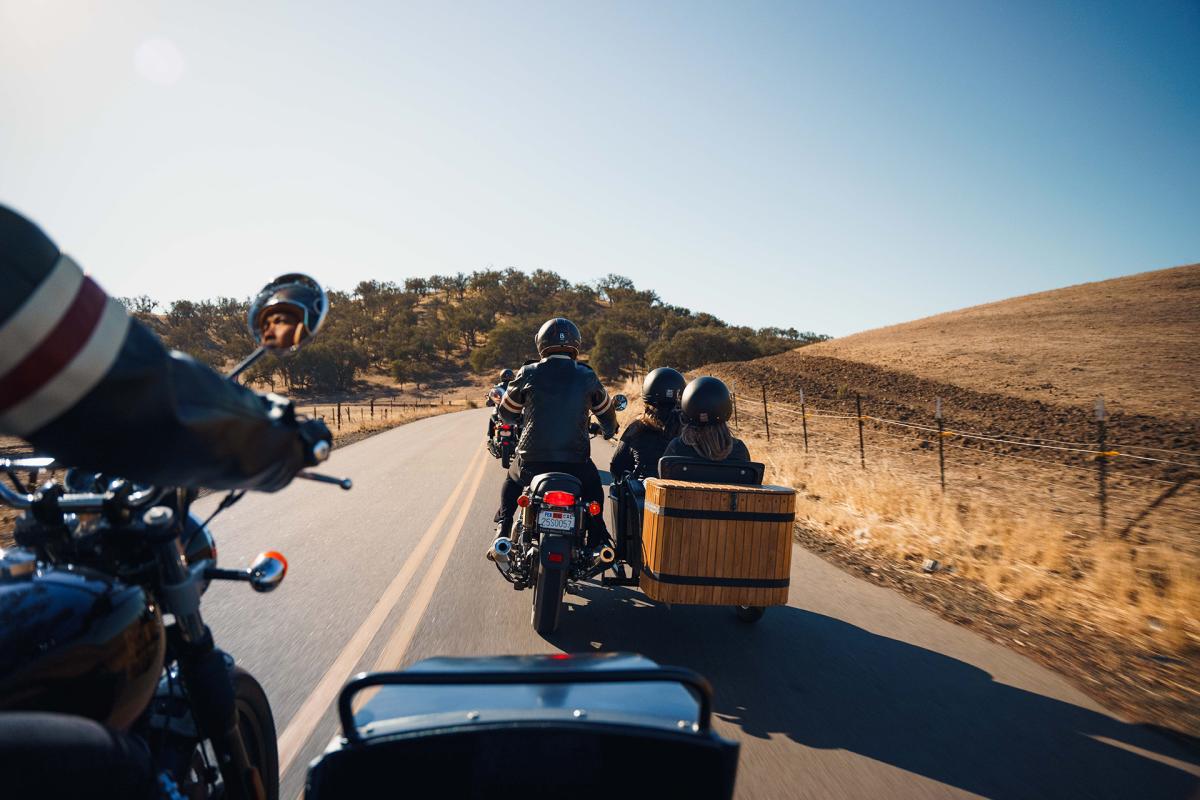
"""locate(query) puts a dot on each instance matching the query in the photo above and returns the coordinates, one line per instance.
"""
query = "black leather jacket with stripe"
(84, 383)
(557, 396)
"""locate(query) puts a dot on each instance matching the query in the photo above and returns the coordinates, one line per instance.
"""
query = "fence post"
(804, 420)
(372, 408)
(766, 421)
(1101, 430)
(339, 416)
(734, 398)
(862, 450)
(941, 438)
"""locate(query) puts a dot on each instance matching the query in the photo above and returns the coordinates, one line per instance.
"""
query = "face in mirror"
(287, 313)
(620, 402)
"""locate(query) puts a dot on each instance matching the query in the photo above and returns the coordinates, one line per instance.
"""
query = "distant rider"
(87, 385)
(707, 407)
(557, 397)
(495, 395)
(646, 438)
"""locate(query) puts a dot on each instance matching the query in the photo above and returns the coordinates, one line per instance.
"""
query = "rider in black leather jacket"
(557, 397)
(82, 382)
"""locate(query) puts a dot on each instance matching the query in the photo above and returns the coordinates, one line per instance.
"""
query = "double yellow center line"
(302, 726)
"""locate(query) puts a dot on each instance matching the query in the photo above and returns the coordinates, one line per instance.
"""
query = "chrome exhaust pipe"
(604, 556)
(500, 550)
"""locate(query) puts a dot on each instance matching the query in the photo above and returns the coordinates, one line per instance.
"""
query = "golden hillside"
(1135, 340)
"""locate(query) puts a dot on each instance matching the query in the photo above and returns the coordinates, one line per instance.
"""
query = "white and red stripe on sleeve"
(56, 348)
(510, 403)
(601, 408)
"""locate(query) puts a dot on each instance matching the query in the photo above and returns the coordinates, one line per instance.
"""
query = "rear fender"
(554, 551)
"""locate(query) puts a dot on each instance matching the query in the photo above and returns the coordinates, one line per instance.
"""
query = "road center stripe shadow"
(305, 721)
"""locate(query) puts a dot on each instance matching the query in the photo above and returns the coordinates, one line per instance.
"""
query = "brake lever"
(345, 483)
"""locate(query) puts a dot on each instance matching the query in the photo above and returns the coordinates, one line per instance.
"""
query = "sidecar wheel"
(750, 613)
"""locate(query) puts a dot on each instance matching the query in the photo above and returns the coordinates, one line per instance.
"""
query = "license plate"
(505, 434)
(556, 520)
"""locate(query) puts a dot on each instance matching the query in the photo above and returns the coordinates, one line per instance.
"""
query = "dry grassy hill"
(1017, 531)
(1135, 340)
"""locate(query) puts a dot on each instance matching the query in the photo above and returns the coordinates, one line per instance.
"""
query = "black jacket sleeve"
(99, 391)
(623, 459)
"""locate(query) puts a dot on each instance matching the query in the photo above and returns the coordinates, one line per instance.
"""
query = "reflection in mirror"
(620, 402)
(287, 313)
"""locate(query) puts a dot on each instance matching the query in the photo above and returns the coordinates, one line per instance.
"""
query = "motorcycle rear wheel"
(547, 600)
(505, 457)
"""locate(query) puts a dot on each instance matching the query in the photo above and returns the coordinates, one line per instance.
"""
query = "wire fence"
(355, 415)
(1106, 482)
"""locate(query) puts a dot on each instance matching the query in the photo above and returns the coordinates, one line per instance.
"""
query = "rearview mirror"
(620, 402)
(287, 313)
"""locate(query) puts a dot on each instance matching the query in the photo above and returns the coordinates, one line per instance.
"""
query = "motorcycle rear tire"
(547, 600)
(257, 724)
(505, 458)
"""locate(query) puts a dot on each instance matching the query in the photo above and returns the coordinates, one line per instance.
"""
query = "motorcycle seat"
(555, 481)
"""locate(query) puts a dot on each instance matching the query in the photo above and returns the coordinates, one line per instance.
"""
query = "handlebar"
(82, 501)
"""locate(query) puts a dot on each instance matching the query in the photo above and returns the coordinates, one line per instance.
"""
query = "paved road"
(850, 691)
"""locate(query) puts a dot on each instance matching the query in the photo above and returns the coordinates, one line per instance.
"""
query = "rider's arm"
(516, 394)
(604, 408)
(83, 383)
(623, 459)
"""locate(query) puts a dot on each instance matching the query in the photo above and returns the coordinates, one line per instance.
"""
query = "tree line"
(427, 328)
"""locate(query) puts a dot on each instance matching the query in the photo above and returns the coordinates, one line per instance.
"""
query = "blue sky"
(828, 166)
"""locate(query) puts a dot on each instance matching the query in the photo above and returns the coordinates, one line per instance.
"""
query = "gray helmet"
(507, 375)
(296, 291)
(558, 335)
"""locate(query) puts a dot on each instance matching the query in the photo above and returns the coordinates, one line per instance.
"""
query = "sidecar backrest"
(740, 473)
(555, 481)
(553, 760)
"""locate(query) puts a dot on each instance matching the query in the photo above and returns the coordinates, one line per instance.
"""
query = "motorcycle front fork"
(207, 677)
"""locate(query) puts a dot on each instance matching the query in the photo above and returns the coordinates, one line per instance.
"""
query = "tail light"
(506, 427)
(594, 508)
(556, 498)
(554, 558)
(523, 501)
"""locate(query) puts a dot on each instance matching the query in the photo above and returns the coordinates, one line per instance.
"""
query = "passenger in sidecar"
(530, 727)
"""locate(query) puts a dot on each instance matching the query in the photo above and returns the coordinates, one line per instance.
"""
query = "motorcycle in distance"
(546, 549)
(502, 444)
(100, 602)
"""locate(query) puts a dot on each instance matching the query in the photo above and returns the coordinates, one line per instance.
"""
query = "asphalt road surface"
(849, 691)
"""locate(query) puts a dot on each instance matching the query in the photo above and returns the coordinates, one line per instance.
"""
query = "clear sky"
(832, 166)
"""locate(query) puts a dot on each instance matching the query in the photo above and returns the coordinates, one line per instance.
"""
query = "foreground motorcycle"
(100, 616)
(546, 550)
(558, 726)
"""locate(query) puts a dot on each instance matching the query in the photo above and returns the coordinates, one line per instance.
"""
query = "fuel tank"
(76, 641)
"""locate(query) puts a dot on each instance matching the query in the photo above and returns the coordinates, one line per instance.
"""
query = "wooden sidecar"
(706, 534)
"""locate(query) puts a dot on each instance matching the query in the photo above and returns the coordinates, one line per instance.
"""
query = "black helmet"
(507, 376)
(706, 400)
(558, 335)
(663, 387)
(296, 291)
